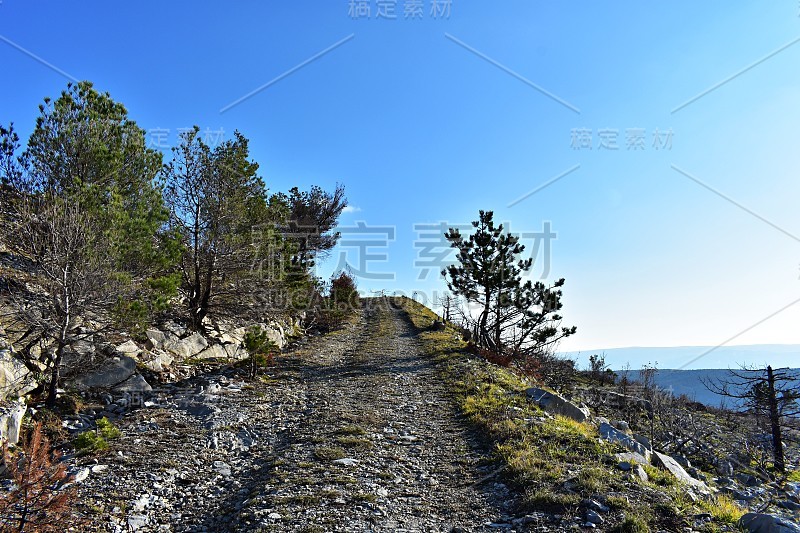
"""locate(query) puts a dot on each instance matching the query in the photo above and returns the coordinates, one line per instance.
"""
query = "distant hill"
(682, 368)
(696, 357)
(690, 383)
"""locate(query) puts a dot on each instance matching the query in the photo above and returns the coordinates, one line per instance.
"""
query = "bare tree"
(766, 392)
(73, 273)
(598, 367)
(448, 303)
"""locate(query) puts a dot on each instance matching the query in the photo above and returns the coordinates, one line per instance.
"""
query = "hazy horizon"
(694, 357)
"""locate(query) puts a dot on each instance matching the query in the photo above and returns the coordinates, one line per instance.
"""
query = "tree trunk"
(55, 376)
(484, 338)
(55, 372)
(775, 423)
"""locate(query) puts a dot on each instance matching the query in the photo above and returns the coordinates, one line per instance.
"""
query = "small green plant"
(107, 430)
(97, 440)
(794, 476)
(261, 349)
(659, 477)
(90, 442)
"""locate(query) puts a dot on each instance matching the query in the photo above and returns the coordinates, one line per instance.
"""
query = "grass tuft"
(325, 453)
(723, 508)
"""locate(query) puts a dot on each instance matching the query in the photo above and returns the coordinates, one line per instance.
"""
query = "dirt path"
(353, 432)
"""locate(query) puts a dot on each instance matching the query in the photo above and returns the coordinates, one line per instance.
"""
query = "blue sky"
(424, 121)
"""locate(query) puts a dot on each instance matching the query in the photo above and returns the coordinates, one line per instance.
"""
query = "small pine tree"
(261, 349)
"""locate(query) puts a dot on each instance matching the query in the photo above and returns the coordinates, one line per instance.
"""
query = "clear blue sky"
(422, 127)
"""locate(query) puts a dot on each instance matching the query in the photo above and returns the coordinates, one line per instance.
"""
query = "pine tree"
(515, 318)
(83, 207)
(216, 200)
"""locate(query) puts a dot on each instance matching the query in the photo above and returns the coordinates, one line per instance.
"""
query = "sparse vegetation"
(633, 524)
(723, 508)
(563, 459)
(349, 441)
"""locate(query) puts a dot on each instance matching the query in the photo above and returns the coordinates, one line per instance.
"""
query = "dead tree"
(448, 303)
(74, 278)
(766, 392)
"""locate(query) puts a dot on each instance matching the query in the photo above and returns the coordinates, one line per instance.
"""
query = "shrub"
(341, 302)
(36, 503)
(261, 348)
(107, 430)
(344, 291)
(90, 442)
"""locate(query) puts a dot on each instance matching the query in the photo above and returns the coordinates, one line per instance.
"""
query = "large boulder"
(765, 523)
(155, 339)
(135, 383)
(215, 351)
(612, 434)
(792, 490)
(644, 441)
(157, 360)
(83, 348)
(236, 351)
(233, 336)
(630, 458)
(111, 373)
(11, 421)
(724, 468)
(276, 335)
(188, 347)
(671, 465)
(557, 405)
(128, 348)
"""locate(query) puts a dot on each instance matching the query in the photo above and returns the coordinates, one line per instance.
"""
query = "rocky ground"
(354, 431)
